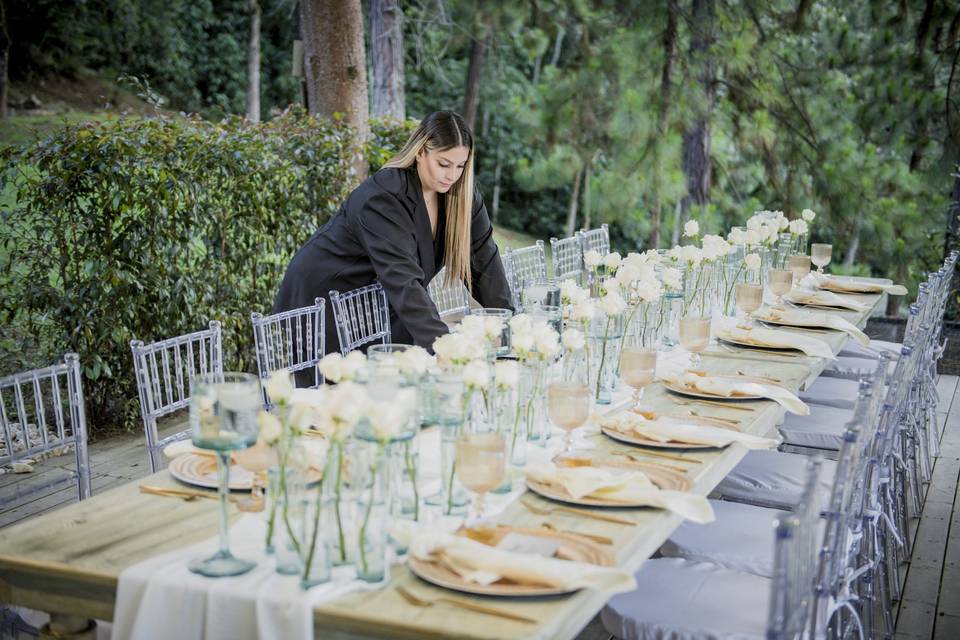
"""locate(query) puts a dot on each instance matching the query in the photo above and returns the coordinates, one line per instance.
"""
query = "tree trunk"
(587, 204)
(495, 206)
(471, 99)
(4, 58)
(666, 88)
(696, 139)
(574, 197)
(386, 55)
(557, 47)
(335, 67)
(851, 256)
(677, 223)
(253, 64)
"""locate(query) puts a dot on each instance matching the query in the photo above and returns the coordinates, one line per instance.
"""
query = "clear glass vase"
(339, 489)
(375, 460)
(443, 407)
(531, 401)
(316, 554)
(604, 339)
(285, 495)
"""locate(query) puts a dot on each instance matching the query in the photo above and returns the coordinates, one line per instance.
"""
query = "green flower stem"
(603, 355)
(412, 472)
(336, 501)
(733, 283)
(362, 536)
(453, 463)
(533, 396)
(318, 506)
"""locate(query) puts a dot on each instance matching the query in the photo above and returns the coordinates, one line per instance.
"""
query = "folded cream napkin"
(484, 565)
(729, 387)
(726, 329)
(805, 318)
(856, 285)
(621, 485)
(677, 430)
(180, 447)
(823, 298)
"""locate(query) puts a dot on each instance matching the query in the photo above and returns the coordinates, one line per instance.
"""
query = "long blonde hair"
(439, 131)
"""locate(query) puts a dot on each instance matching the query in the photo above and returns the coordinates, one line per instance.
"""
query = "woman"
(400, 226)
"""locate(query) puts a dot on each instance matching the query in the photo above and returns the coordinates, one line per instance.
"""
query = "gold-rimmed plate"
(737, 396)
(639, 441)
(571, 547)
(664, 478)
(200, 470)
(753, 345)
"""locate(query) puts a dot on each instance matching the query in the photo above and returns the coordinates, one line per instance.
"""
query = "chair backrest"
(42, 411)
(290, 340)
(164, 371)
(595, 240)
(451, 297)
(526, 265)
(567, 258)
(362, 317)
(795, 563)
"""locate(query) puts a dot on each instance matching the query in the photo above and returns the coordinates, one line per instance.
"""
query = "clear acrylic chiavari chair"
(292, 341)
(41, 414)
(526, 266)
(362, 317)
(451, 298)
(164, 371)
(595, 240)
(567, 257)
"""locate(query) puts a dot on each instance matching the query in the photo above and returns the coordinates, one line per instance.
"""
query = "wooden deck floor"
(929, 609)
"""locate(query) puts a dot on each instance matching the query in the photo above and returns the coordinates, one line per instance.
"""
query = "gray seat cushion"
(854, 349)
(822, 429)
(832, 392)
(679, 599)
(774, 479)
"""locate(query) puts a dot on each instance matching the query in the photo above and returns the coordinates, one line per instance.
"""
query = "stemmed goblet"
(481, 466)
(568, 406)
(780, 281)
(749, 298)
(820, 255)
(694, 337)
(800, 266)
(638, 367)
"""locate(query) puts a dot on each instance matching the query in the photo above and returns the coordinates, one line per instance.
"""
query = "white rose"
(652, 256)
(414, 361)
(752, 261)
(269, 427)
(582, 311)
(568, 291)
(808, 215)
(649, 289)
(751, 237)
(676, 253)
(611, 261)
(627, 273)
(546, 341)
(691, 229)
(691, 255)
(754, 223)
(736, 236)
(522, 343)
(331, 367)
(521, 323)
(353, 363)
(798, 227)
(782, 222)
(471, 326)
(612, 303)
(279, 386)
(506, 373)
(592, 258)
(672, 278)
(476, 374)
(573, 340)
(492, 328)
(388, 417)
(456, 348)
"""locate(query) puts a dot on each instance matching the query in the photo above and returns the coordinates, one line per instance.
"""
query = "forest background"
(639, 114)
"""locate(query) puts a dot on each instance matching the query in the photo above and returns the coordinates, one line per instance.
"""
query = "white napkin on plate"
(677, 430)
(726, 329)
(800, 295)
(855, 285)
(727, 387)
(806, 318)
(484, 565)
(621, 485)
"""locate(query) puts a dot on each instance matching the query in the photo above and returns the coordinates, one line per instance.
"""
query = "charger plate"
(639, 441)
(663, 477)
(572, 547)
(684, 391)
(200, 470)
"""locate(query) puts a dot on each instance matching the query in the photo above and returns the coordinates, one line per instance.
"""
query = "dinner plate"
(572, 547)
(782, 323)
(638, 440)
(849, 286)
(751, 345)
(200, 470)
(822, 305)
(713, 396)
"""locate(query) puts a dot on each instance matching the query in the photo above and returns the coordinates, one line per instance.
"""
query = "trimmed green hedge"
(150, 227)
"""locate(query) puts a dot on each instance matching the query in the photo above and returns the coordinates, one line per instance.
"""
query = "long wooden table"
(69, 561)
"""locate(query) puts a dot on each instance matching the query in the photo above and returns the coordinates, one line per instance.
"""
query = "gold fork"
(462, 604)
(712, 403)
(580, 512)
(589, 536)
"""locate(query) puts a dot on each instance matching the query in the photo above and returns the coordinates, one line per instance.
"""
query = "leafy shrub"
(148, 228)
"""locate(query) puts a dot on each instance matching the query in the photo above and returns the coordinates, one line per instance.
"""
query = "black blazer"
(382, 232)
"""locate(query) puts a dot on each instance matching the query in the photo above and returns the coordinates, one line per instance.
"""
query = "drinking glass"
(800, 266)
(378, 352)
(820, 255)
(501, 345)
(694, 337)
(481, 465)
(539, 294)
(568, 405)
(223, 418)
(749, 298)
(638, 367)
(780, 281)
